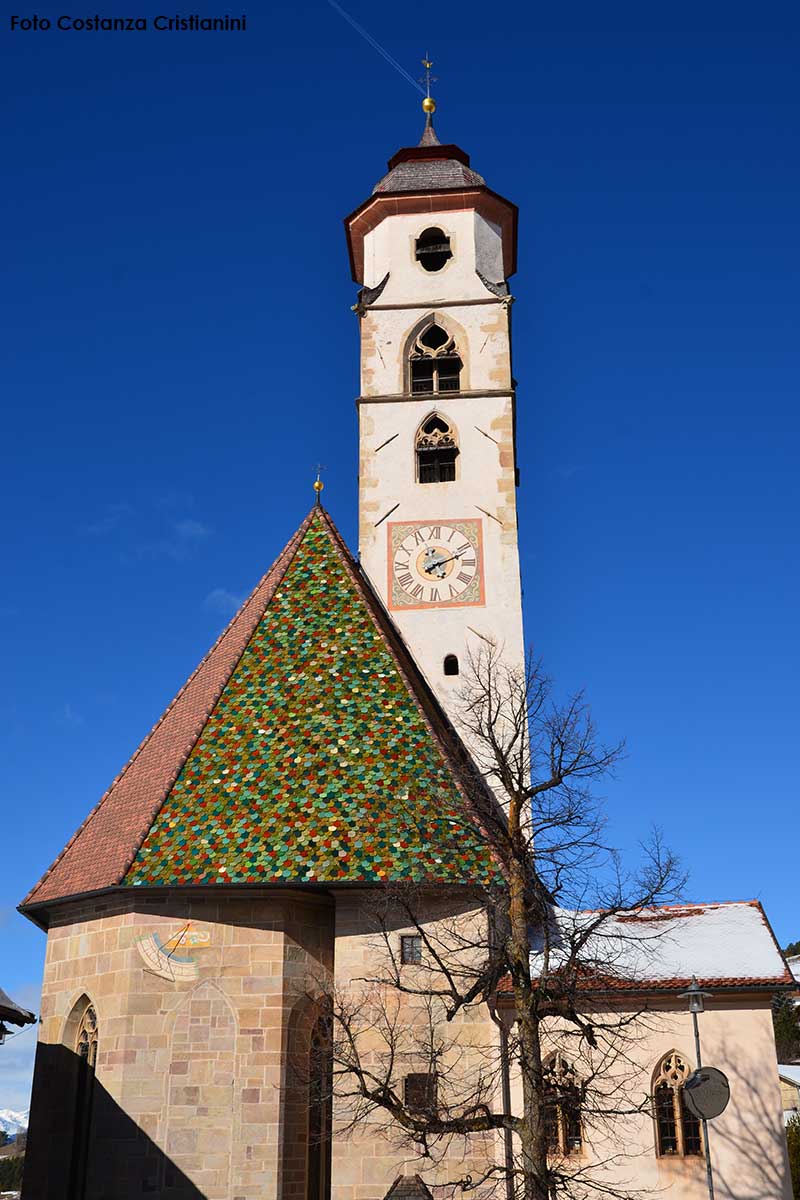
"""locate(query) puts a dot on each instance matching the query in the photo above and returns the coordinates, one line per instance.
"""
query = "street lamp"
(696, 998)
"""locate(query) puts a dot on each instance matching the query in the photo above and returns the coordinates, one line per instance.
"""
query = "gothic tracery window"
(86, 1037)
(436, 450)
(562, 1106)
(435, 362)
(81, 1036)
(677, 1130)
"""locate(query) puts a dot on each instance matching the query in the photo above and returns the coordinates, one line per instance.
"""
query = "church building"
(312, 758)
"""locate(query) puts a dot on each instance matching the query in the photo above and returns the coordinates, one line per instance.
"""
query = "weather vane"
(428, 104)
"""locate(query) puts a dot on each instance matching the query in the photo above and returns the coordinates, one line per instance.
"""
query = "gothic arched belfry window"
(435, 363)
(436, 448)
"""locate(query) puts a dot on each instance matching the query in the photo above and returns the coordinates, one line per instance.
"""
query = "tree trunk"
(531, 1127)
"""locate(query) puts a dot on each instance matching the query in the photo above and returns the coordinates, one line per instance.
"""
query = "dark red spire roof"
(428, 167)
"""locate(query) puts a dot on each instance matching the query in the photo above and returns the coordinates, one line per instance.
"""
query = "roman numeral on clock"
(405, 580)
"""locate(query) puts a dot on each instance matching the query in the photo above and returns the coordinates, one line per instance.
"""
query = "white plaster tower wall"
(459, 298)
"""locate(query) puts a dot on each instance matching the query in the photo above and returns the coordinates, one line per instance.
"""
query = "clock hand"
(440, 562)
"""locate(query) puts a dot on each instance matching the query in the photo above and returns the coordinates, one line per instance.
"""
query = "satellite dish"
(706, 1093)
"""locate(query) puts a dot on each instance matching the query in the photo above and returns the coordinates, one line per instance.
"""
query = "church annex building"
(313, 756)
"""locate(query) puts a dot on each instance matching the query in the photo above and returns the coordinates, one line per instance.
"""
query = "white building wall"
(482, 413)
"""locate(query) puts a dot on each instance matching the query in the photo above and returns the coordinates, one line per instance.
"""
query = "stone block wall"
(193, 1058)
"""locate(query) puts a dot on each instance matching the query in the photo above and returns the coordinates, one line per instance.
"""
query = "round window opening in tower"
(433, 249)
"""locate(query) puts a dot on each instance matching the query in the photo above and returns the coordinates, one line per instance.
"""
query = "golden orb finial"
(318, 485)
(429, 105)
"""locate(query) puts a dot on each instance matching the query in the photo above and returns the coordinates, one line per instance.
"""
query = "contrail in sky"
(377, 46)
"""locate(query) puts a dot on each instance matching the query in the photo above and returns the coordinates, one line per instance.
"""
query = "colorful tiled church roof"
(305, 748)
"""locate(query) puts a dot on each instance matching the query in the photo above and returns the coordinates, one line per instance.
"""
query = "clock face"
(435, 565)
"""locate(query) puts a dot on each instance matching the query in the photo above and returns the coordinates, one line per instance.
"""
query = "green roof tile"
(317, 763)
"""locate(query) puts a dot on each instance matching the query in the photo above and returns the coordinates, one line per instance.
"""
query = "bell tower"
(432, 249)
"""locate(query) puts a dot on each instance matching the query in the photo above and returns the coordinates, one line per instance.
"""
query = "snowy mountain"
(13, 1123)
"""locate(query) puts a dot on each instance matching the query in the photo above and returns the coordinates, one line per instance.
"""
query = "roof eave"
(380, 198)
(40, 913)
(767, 987)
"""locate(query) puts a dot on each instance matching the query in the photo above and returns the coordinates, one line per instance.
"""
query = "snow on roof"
(724, 944)
(790, 1072)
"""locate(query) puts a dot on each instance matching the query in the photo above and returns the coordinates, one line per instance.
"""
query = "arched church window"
(451, 664)
(86, 1039)
(433, 249)
(81, 1036)
(320, 1104)
(677, 1130)
(435, 363)
(562, 1112)
(436, 450)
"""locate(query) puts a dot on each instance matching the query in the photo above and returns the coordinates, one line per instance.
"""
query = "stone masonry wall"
(193, 1058)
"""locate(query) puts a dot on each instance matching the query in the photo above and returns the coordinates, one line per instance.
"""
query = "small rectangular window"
(419, 1093)
(411, 949)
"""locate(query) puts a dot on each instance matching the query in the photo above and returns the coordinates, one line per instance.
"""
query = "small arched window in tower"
(433, 249)
(437, 450)
(435, 362)
(451, 664)
(677, 1130)
(562, 1114)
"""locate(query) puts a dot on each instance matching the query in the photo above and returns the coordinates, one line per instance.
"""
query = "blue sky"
(179, 352)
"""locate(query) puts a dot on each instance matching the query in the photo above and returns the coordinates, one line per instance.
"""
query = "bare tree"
(537, 947)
